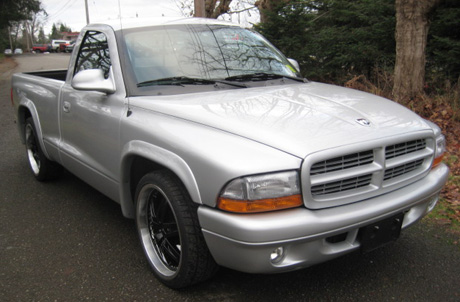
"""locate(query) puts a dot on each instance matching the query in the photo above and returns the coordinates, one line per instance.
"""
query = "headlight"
(440, 149)
(261, 193)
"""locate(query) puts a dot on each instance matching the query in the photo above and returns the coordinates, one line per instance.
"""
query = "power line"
(63, 9)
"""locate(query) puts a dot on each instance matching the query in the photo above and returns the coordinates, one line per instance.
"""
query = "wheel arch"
(27, 109)
(23, 114)
(140, 158)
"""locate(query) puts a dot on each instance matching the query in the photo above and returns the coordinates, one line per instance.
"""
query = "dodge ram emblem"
(363, 122)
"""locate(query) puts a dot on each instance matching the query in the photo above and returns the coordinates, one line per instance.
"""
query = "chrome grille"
(338, 176)
(342, 185)
(343, 162)
(402, 169)
(404, 148)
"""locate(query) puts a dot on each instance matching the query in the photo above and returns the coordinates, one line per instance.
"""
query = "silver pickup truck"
(209, 137)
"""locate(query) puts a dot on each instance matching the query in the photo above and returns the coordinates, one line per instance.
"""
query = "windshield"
(211, 52)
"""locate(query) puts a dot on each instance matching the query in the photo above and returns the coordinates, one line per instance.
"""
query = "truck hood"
(299, 119)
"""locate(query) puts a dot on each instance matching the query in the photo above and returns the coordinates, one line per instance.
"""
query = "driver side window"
(94, 53)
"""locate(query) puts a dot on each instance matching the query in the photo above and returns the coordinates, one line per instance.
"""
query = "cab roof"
(157, 21)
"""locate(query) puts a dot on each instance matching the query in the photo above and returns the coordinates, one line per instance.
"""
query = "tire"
(168, 228)
(42, 168)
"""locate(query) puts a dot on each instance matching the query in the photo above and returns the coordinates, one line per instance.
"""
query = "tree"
(443, 46)
(199, 8)
(412, 24)
(212, 8)
(54, 35)
(13, 30)
(334, 40)
(41, 36)
(267, 7)
(26, 36)
(64, 28)
(337, 40)
(35, 22)
(17, 10)
(20, 16)
(57, 30)
(216, 8)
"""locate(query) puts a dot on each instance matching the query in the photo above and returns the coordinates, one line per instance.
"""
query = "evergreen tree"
(443, 50)
(55, 35)
(64, 28)
(12, 12)
(334, 39)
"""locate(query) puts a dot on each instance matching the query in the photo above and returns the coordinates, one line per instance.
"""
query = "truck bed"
(58, 74)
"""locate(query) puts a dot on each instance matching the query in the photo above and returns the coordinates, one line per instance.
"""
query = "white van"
(55, 44)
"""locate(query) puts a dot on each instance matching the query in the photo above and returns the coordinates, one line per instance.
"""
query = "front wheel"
(169, 231)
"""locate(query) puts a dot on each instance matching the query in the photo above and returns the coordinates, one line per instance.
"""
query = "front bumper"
(245, 242)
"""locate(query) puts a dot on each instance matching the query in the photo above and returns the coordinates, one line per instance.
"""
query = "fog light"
(433, 202)
(277, 255)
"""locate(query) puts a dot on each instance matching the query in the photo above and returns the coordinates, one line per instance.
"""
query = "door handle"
(66, 106)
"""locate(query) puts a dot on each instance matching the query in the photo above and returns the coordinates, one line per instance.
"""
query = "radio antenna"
(128, 112)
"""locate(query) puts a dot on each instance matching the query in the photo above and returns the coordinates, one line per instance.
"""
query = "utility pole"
(199, 9)
(87, 12)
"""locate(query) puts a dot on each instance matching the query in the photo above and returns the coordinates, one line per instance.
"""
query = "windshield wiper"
(172, 81)
(229, 83)
(180, 81)
(262, 76)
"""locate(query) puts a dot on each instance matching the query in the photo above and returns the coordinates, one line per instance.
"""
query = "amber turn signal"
(262, 205)
(437, 161)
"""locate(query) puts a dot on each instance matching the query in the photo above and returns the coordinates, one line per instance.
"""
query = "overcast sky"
(72, 12)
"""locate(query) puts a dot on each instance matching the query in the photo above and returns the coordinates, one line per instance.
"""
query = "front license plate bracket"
(380, 233)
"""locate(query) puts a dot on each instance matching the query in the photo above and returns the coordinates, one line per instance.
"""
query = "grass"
(447, 211)
(441, 215)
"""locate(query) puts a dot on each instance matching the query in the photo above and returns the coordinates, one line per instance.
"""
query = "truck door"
(90, 120)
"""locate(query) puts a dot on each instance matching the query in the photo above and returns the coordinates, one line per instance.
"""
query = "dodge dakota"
(224, 155)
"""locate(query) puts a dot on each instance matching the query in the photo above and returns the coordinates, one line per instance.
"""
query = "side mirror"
(295, 64)
(93, 80)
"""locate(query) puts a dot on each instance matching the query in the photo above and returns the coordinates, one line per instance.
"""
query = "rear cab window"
(94, 53)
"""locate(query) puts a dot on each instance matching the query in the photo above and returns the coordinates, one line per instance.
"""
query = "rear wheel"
(42, 168)
(169, 231)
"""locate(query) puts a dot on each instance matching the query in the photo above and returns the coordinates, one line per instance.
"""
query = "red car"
(41, 47)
